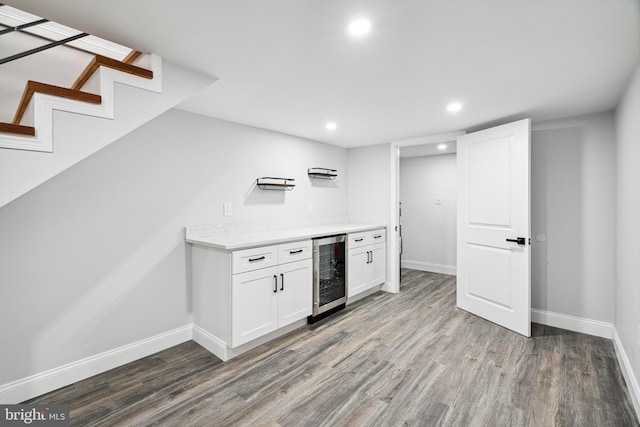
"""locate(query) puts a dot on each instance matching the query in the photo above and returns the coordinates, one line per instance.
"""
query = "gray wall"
(627, 318)
(573, 216)
(94, 259)
(428, 228)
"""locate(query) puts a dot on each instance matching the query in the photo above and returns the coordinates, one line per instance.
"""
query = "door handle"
(518, 240)
(275, 283)
(281, 282)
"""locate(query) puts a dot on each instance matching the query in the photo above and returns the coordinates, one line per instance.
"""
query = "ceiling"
(291, 66)
(428, 149)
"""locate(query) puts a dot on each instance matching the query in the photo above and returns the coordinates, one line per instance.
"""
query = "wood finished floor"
(409, 359)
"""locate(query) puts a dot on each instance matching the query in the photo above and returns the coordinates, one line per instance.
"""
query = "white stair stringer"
(80, 133)
(42, 106)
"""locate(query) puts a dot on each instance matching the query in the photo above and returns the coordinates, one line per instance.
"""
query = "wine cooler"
(329, 276)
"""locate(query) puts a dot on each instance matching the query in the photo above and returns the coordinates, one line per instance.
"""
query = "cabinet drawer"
(377, 236)
(357, 240)
(295, 251)
(254, 259)
(365, 238)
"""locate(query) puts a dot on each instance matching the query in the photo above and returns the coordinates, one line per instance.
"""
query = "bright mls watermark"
(54, 415)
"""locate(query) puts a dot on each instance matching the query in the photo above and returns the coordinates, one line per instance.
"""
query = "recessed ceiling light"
(454, 107)
(331, 126)
(359, 27)
(442, 146)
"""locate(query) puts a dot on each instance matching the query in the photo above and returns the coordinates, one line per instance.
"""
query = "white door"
(494, 252)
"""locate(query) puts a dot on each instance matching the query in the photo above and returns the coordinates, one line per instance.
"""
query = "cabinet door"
(377, 264)
(295, 297)
(357, 280)
(254, 305)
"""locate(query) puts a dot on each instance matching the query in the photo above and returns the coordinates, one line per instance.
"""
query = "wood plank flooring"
(411, 359)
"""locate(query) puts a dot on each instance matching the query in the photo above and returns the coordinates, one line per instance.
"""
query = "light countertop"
(236, 241)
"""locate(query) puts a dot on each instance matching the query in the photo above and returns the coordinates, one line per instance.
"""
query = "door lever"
(518, 240)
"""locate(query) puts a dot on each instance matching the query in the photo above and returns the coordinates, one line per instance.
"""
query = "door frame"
(394, 172)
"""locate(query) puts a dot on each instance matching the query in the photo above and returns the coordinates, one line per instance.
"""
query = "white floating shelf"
(272, 183)
(322, 173)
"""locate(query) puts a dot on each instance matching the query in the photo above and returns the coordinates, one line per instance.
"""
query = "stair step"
(100, 60)
(132, 56)
(62, 92)
(17, 129)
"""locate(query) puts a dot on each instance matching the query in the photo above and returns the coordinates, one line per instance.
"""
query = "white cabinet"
(266, 299)
(239, 296)
(254, 310)
(367, 261)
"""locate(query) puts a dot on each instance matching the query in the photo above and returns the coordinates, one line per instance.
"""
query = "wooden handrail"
(20, 130)
(100, 60)
(62, 92)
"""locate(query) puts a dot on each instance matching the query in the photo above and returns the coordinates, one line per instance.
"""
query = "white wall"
(627, 319)
(370, 191)
(429, 228)
(573, 208)
(94, 258)
(369, 185)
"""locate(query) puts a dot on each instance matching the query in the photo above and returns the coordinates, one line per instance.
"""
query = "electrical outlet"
(227, 209)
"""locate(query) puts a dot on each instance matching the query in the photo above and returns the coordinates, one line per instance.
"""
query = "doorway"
(410, 148)
(428, 216)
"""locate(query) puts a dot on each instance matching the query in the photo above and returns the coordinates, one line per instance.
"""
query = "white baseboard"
(223, 352)
(572, 323)
(44, 382)
(427, 266)
(364, 294)
(627, 372)
(210, 342)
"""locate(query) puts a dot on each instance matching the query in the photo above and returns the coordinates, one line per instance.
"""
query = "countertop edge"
(277, 236)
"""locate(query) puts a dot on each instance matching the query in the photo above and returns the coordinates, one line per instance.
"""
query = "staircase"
(59, 123)
(40, 99)
(55, 127)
